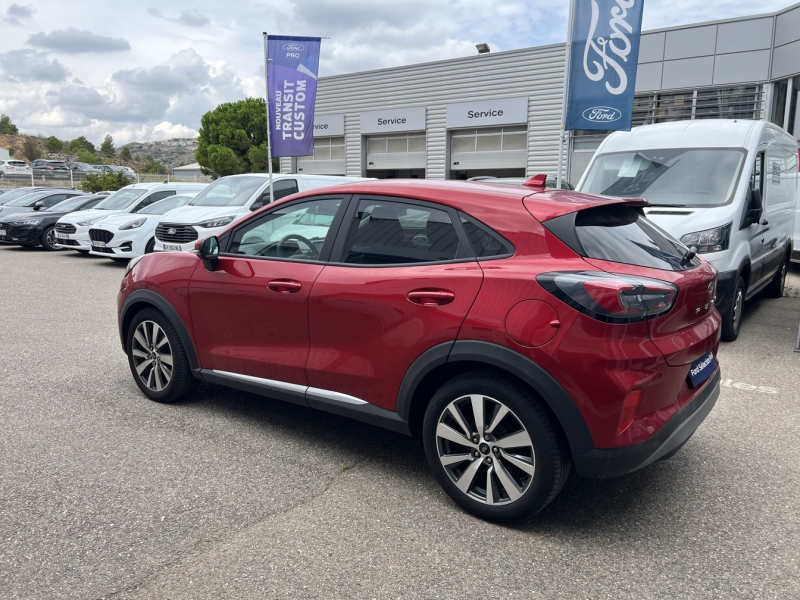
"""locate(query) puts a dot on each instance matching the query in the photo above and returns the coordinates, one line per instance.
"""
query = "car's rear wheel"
(157, 358)
(49, 239)
(732, 319)
(493, 447)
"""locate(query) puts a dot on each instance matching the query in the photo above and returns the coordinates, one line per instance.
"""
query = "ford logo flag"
(603, 60)
(292, 89)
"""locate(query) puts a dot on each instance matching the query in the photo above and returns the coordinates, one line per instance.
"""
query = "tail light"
(611, 298)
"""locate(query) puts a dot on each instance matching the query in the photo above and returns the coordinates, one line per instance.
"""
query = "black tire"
(181, 382)
(148, 249)
(732, 318)
(49, 240)
(549, 460)
(775, 287)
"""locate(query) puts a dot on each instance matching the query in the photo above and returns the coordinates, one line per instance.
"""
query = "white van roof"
(700, 133)
(174, 185)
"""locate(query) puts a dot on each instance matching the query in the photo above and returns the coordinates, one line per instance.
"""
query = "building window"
(396, 144)
(779, 89)
(328, 148)
(790, 127)
(743, 102)
(490, 139)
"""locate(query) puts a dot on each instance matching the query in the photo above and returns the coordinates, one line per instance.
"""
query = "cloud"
(31, 65)
(16, 13)
(191, 18)
(166, 131)
(74, 41)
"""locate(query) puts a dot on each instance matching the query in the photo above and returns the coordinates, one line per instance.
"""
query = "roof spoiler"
(537, 181)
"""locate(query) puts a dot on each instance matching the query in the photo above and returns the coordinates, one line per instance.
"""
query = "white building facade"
(500, 113)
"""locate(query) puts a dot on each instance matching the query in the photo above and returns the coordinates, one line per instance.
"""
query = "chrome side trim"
(292, 387)
(335, 396)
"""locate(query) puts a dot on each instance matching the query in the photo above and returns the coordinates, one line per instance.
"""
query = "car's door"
(756, 231)
(401, 280)
(250, 314)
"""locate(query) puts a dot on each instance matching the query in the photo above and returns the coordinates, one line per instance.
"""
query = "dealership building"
(500, 113)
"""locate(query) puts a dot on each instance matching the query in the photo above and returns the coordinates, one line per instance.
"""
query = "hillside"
(170, 153)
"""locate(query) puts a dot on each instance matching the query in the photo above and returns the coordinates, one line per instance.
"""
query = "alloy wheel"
(51, 239)
(152, 355)
(485, 449)
(737, 309)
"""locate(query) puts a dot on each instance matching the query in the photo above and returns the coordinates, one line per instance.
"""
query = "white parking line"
(748, 387)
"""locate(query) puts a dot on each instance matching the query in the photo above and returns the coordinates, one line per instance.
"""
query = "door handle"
(431, 297)
(285, 286)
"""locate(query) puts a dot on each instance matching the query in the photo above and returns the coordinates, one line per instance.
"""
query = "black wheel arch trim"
(159, 302)
(558, 400)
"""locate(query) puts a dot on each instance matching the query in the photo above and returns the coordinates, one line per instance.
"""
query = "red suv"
(520, 331)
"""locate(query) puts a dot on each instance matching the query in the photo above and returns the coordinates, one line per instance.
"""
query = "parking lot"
(105, 494)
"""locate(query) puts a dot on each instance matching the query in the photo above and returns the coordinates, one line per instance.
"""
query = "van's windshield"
(228, 191)
(691, 177)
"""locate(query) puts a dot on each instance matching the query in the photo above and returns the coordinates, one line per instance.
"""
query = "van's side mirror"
(209, 252)
(256, 205)
(261, 201)
(754, 208)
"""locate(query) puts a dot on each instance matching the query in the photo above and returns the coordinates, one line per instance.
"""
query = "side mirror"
(38, 206)
(256, 205)
(754, 208)
(209, 252)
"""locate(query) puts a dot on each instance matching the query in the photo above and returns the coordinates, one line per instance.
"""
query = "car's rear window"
(622, 234)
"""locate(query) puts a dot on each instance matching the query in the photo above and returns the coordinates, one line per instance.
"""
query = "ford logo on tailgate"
(294, 47)
(602, 114)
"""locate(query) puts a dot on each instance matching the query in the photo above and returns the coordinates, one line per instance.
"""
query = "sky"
(148, 71)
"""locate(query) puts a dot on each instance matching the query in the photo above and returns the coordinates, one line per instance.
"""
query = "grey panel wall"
(685, 43)
(689, 72)
(741, 66)
(740, 36)
(648, 77)
(787, 27)
(651, 47)
(786, 60)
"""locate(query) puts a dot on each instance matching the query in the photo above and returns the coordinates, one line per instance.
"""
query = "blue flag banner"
(292, 89)
(603, 61)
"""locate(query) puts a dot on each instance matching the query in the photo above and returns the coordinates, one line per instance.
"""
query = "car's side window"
(296, 231)
(283, 188)
(388, 233)
(153, 198)
(53, 200)
(485, 242)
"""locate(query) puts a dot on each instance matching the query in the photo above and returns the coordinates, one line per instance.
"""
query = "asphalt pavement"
(105, 494)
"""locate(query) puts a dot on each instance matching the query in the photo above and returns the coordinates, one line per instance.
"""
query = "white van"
(72, 230)
(229, 199)
(726, 187)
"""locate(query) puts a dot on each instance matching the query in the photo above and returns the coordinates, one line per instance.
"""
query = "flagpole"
(269, 141)
(563, 132)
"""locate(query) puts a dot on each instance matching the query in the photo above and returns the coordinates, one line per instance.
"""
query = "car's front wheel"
(157, 358)
(493, 447)
(49, 239)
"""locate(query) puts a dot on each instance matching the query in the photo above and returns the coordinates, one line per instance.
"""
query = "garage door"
(396, 151)
(328, 158)
(489, 149)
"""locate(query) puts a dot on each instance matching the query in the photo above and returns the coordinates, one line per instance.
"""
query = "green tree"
(125, 154)
(7, 127)
(81, 143)
(107, 147)
(89, 157)
(31, 149)
(152, 167)
(229, 133)
(54, 144)
(107, 181)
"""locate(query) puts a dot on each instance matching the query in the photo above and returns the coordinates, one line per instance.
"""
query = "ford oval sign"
(602, 114)
(294, 47)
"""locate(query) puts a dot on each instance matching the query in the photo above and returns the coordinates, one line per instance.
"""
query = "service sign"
(292, 89)
(328, 125)
(397, 119)
(503, 111)
(603, 62)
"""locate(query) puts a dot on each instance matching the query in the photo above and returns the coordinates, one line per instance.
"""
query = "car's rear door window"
(384, 232)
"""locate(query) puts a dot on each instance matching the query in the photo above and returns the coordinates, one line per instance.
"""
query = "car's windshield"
(165, 205)
(228, 191)
(668, 177)
(67, 205)
(121, 199)
(13, 194)
(27, 199)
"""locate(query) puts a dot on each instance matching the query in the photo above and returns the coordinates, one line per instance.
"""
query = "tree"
(107, 147)
(229, 133)
(125, 154)
(107, 181)
(88, 157)
(81, 143)
(152, 167)
(7, 127)
(31, 149)
(54, 144)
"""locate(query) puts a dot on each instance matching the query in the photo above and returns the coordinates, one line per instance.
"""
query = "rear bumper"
(603, 463)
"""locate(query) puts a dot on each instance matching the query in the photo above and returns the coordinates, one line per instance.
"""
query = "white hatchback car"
(125, 236)
(72, 230)
(14, 168)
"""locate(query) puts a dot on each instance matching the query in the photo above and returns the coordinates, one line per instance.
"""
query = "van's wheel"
(732, 319)
(493, 447)
(157, 358)
(775, 287)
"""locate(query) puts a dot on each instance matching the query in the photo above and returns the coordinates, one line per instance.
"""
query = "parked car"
(72, 231)
(125, 236)
(82, 168)
(50, 169)
(14, 168)
(551, 181)
(227, 200)
(725, 187)
(34, 229)
(518, 330)
(10, 195)
(128, 172)
(37, 200)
